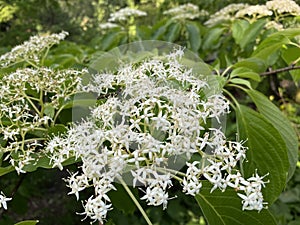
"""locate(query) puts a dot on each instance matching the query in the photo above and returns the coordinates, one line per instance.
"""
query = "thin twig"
(292, 67)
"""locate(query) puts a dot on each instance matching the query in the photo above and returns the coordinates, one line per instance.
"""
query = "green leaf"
(255, 64)
(49, 110)
(241, 82)
(238, 29)
(267, 151)
(244, 33)
(28, 222)
(245, 73)
(194, 36)
(289, 56)
(211, 38)
(160, 29)
(225, 208)
(281, 123)
(173, 32)
(110, 40)
(268, 49)
(290, 33)
(6, 170)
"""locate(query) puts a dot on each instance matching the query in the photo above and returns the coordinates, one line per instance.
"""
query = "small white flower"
(4, 200)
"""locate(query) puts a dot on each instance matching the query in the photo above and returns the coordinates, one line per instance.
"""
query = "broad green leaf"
(225, 208)
(268, 49)
(49, 110)
(110, 40)
(193, 36)
(238, 30)
(28, 222)
(281, 123)
(251, 33)
(244, 33)
(160, 29)
(289, 56)
(255, 64)
(173, 32)
(6, 170)
(241, 82)
(290, 33)
(211, 38)
(245, 73)
(267, 151)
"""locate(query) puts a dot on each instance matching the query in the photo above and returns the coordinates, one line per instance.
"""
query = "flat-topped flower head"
(225, 14)
(254, 11)
(186, 11)
(32, 49)
(284, 7)
(151, 116)
(125, 14)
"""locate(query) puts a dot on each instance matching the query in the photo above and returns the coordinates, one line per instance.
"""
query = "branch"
(292, 67)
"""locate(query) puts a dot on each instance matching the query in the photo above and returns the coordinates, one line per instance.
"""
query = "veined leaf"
(241, 81)
(289, 56)
(6, 170)
(269, 48)
(193, 35)
(254, 64)
(267, 151)
(225, 208)
(244, 33)
(211, 38)
(281, 123)
(173, 32)
(243, 72)
(28, 222)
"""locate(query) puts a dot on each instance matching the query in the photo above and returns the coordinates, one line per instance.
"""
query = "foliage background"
(42, 195)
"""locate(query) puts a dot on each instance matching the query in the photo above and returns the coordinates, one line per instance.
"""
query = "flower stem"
(135, 201)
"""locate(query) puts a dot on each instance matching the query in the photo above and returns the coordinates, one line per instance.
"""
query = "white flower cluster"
(31, 50)
(108, 25)
(227, 13)
(255, 11)
(3, 201)
(152, 116)
(274, 7)
(186, 11)
(24, 97)
(125, 13)
(284, 6)
(275, 25)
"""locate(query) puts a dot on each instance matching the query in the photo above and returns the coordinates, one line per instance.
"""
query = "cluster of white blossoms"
(152, 117)
(30, 101)
(31, 50)
(186, 11)
(255, 11)
(108, 25)
(274, 25)
(284, 7)
(226, 13)
(125, 14)
(271, 8)
(3, 201)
